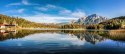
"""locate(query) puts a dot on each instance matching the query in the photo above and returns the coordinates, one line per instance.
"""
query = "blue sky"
(56, 11)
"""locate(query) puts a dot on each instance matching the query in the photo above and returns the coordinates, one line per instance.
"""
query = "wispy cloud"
(62, 11)
(16, 11)
(20, 10)
(25, 2)
(22, 2)
(78, 13)
(42, 8)
(49, 7)
(13, 4)
(65, 11)
(63, 14)
(45, 18)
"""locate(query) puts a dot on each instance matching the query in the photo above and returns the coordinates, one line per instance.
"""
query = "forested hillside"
(25, 23)
(114, 23)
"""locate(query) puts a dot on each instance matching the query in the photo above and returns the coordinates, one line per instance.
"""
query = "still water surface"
(62, 42)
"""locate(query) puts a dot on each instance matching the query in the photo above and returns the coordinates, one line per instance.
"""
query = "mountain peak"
(92, 19)
(93, 15)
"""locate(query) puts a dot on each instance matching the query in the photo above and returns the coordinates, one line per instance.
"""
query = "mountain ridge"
(91, 19)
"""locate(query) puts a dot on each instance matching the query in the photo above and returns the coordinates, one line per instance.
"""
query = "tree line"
(20, 22)
(114, 23)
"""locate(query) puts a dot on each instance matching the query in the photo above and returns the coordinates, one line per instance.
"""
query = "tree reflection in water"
(90, 36)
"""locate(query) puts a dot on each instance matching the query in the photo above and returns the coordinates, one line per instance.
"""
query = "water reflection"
(89, 36)
(61, 41)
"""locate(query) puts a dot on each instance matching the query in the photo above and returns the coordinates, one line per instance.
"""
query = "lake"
(62, 42)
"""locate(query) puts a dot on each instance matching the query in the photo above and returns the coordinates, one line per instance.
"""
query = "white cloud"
(42, 8)
(63, 14)
(78, 13)
(23, 2)
(45, 18)
(66, 11)
(62, 11)
(13, 4)
(15, 11)
(49, 7)
(20, 10)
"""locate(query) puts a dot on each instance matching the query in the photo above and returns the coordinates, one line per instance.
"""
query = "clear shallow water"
(63, 42)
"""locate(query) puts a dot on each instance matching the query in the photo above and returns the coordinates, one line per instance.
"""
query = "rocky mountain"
(91, 19)
(81, 20)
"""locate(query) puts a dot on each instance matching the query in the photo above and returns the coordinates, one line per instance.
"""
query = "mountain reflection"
(90, 36)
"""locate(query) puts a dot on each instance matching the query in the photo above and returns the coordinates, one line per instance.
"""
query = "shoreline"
(61, 29)
(73, 29)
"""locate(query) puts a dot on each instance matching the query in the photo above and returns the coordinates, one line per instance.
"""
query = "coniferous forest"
(114, 23)
(22, 23)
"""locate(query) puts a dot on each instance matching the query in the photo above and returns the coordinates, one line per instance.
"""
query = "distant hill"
(116, 20)
(114, 23)
(91, 19)
(24, 23)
